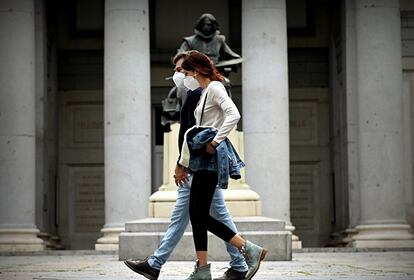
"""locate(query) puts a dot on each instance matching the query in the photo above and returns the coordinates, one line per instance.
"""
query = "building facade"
(326, 93)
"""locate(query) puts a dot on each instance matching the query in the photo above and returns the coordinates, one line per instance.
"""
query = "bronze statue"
(208, 40)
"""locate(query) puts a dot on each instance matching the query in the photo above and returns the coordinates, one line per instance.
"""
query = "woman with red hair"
(215, 110)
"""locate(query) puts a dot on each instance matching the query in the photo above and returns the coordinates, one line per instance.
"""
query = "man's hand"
(180, 176)
(211, 147)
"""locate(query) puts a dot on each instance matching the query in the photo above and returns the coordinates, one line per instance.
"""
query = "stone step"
(142, 237)
(252, 223)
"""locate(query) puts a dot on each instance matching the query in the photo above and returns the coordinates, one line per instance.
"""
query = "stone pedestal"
(381, 149)
(142, 237)
(127, 105)
(240, 199)
(17, 127)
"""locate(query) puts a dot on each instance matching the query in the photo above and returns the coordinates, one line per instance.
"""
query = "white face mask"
(191, 83)
(178, 79)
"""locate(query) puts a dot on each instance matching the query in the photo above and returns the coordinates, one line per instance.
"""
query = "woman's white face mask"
(178, 79)
(191, 83)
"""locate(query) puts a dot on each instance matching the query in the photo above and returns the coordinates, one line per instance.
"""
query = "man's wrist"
(179, 166)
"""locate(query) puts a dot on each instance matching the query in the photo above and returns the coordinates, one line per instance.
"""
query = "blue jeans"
(181, 217)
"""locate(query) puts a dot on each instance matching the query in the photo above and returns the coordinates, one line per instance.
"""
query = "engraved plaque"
(89, 199)
(302, 196)
(303, 123)
(88, 124)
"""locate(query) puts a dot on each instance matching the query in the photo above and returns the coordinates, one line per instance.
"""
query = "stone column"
(42, 186)
(350, 142)
(379, 84)
(126, 116)
(266, 104)
(17, 127)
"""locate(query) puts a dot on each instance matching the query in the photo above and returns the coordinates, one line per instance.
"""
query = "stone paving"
(316, 265)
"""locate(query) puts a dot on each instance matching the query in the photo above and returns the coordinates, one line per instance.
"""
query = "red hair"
(201, 63)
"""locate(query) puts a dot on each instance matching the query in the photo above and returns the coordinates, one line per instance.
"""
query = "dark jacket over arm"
(187, 118)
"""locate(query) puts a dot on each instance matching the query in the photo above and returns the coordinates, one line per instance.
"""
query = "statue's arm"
(226, 50)
(184, 46)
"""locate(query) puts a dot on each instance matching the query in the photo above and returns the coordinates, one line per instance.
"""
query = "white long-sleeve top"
(219, 112)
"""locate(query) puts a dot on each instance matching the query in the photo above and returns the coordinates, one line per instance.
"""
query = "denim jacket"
(226, 162)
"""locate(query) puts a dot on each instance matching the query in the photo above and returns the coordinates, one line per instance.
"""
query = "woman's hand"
(211, 147)
(180, 176)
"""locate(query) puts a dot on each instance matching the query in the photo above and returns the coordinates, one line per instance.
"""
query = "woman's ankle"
(202, 259)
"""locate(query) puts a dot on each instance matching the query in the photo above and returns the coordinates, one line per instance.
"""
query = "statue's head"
(207, 24)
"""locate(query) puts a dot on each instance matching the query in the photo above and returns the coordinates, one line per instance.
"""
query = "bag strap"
(202, 110)
(172, 92)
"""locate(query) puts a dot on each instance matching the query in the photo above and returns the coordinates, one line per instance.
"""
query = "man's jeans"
(179, 220)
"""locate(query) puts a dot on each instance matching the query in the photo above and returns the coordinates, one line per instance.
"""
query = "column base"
(20, 240)
(383, 236)
(110, 240)
(51, 242)
(410, 215)
(349, 234)
(296, 242)
(240, 202)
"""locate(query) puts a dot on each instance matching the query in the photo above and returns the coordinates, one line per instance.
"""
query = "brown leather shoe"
(143, 268)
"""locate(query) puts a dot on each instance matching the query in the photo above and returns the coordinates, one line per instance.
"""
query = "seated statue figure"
(208, 40)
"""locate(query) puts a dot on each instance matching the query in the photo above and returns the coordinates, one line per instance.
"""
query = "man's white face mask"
(178, 79)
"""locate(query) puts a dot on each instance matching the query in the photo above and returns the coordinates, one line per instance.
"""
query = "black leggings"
(202, 192)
